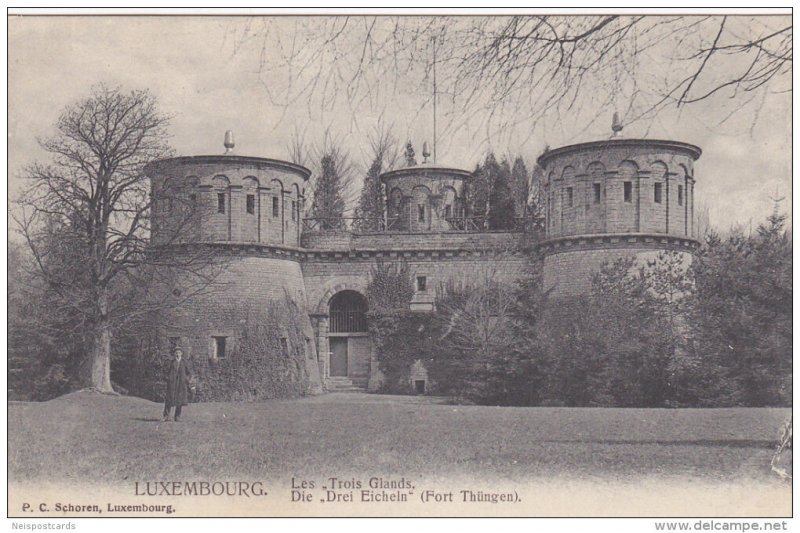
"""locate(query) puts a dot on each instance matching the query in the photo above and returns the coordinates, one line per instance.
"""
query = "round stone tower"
(613, 198)
(246, 212)
(425, 198)
(237, 198)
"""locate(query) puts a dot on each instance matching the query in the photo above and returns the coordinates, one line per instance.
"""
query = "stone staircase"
(345, 384)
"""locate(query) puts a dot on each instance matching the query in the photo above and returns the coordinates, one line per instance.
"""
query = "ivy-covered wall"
(268, 355)
(269, 359)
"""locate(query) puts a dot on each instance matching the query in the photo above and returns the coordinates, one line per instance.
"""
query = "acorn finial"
(229, 142)
(616, 125)
(425, 152)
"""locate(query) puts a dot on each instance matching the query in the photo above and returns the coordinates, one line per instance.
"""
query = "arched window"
(596, 172)
(395, 203)
(348, 313)
(221, 184)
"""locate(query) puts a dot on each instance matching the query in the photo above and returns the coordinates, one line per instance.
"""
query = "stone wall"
(569, 272)
(609, 199)
(247, 283)
(326, 276)
(327, 273)
(220, 189)
(421, 198)
(604, 200)
(343, 241)
(586, 188)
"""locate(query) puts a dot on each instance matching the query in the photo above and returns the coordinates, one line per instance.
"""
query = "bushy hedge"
(660, 334)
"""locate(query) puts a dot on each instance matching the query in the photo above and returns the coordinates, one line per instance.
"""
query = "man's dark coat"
(177, 384)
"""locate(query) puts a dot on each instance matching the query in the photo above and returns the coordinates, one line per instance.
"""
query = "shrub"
(401, 338)
(473, 357)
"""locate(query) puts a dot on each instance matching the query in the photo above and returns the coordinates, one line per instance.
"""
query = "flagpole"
(434, 100)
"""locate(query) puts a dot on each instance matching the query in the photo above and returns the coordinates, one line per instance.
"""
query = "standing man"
(177, 386)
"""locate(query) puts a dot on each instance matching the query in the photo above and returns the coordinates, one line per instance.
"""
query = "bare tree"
(383, 144)
(297, 148)
(702, 221)
(86, 218)
(475, 349)
(512, 70)
(478, 319)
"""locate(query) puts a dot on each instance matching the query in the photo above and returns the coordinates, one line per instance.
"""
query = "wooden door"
(338, 356)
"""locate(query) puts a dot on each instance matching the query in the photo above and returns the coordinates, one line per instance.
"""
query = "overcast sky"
(209, 73)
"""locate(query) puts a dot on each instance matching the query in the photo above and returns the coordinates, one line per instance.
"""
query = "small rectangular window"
(193, 199)
(569, 197)
(628, 191)
(221, 202)
(284, 347)
(220, 347)
(657, 193)
(173, 342)
(680, 194)
(294, 211)
(421, 213)
(251, 204)
(447, 212)
(597, 193)
(422, 283)
(275, 207)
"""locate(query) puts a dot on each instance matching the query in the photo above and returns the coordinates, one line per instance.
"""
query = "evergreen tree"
(743, 312)
(328, 205)
(410, 155)
(537, 201)
(369, 211)
(480, 192)
(474, 193)
(491, 198)
(520, 180)
(46, 342)
(501, 200)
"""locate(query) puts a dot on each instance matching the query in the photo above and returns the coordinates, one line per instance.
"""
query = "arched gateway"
(348, 339)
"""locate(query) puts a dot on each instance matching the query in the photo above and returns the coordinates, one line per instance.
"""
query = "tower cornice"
(692, 150)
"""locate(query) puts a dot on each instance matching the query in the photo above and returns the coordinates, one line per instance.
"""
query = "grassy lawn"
(88, 436)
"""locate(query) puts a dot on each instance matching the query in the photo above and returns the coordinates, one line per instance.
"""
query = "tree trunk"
(488, 210)
(101, 348)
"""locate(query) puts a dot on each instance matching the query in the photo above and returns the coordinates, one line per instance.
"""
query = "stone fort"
(602, 200)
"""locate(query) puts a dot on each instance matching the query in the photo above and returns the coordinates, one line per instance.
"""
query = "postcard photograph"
(400, 264)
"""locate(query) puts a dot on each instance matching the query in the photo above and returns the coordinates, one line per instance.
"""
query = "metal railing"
(402, 224)
(362, 224)
(478, 223)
